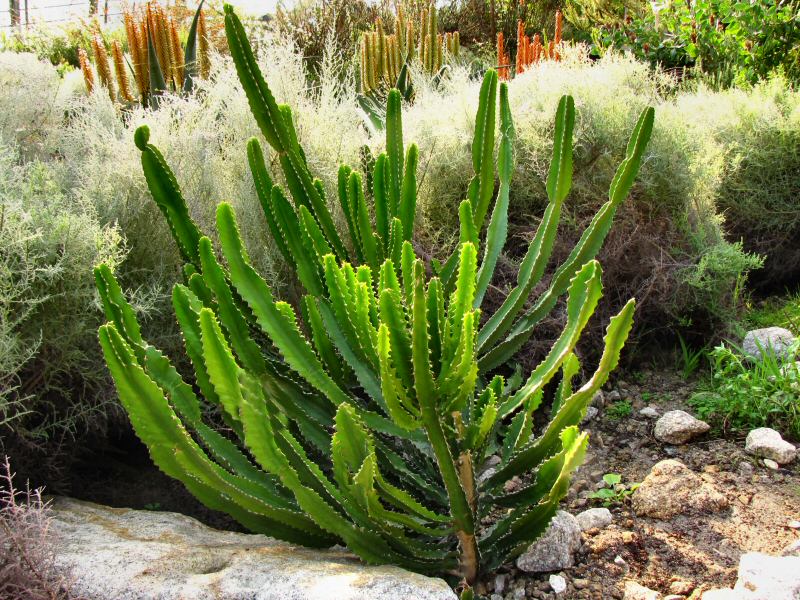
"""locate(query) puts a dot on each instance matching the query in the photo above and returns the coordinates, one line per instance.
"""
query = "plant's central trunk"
(470, 558)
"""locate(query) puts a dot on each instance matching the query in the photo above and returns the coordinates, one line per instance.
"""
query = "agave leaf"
(190, 53)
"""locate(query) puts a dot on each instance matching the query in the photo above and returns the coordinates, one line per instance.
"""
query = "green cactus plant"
(367, 410)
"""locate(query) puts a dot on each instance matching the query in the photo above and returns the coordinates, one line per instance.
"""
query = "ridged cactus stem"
(400, 30)
(380, 50)
(434, 41)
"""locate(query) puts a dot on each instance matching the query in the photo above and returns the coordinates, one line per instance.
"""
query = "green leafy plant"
(654, 397)
(741, 395)
(368, 414)
(619, 410)
(613, 492)
(689, 358)
(727, 40)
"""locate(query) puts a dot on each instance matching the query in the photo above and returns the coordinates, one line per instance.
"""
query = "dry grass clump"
(28, 107)
(27, 554)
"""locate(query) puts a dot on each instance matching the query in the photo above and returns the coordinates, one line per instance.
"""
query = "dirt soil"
(701, 550)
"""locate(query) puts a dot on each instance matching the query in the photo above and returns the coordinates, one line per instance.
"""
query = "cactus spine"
(368, 407)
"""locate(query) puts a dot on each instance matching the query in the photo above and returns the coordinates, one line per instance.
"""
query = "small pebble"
(681, 587)
(649, 412)
(591, 413)
(745, 469)
(581, 584)
(499, 583)
(558, 584)
(794, 524)
(771, 464)
(628, 537)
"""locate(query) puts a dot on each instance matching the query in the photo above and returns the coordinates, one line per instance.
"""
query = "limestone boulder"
(678, 427)
(672, 488)
(762, 577)
(132, 554)
(555, 549)
(768, 443)
(768, 339)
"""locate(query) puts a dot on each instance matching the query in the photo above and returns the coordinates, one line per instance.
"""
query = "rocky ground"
(681, 533)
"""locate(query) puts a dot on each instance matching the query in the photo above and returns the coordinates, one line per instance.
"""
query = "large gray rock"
(776, 339)
(763, 577)
(554, 550)
(768, 443)
(134, 554)
(672, 488)
(678, 427)
(594, 518)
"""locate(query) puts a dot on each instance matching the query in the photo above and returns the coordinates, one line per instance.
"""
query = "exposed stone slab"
(672, 488)
(555, 549)
(133, 554)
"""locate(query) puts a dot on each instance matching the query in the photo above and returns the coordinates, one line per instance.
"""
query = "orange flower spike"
(86, 69)
(501, 70)
(176, 53)
(122, 75)
(103, 65)
(529, 56)
(559, 27)
(203, 46)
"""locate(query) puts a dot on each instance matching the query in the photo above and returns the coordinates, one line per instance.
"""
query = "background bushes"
(668, 247)
(758, 193)
(73, 195)
(53, 385)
